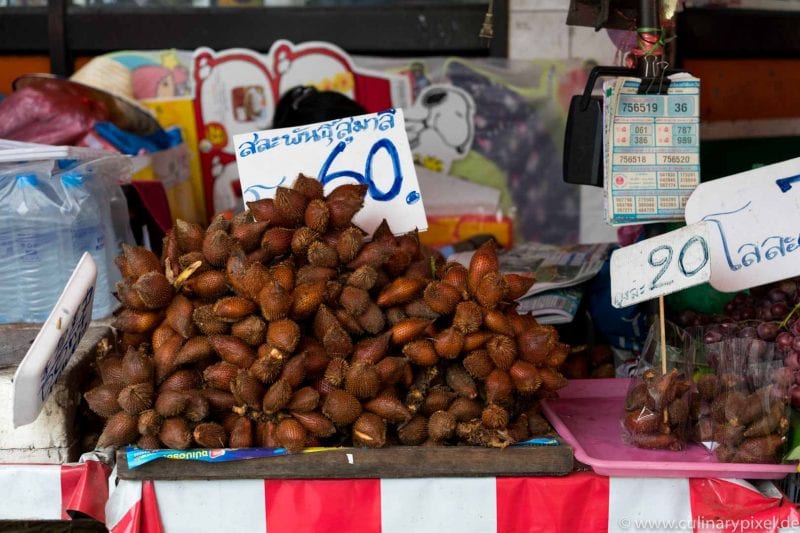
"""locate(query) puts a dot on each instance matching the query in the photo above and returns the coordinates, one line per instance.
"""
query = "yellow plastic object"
(447, 230)
(186, 198)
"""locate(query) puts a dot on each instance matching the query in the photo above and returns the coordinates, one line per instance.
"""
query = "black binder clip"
(653, 83)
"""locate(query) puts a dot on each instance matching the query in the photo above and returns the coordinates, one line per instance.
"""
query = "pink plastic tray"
(587, 416)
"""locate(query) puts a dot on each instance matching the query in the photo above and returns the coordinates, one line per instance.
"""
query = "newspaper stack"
(559, 272)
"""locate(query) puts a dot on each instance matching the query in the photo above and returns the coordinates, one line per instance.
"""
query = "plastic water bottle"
(10, 310)
(86, 233)
(37, 247)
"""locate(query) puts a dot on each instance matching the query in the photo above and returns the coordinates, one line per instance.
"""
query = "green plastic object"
(794, 438)
(700, 299)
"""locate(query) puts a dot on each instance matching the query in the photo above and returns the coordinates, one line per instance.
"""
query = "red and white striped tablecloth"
(50, 492)
(579, 503)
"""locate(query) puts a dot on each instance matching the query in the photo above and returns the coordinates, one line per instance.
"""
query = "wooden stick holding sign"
(662, 323)
(658, 266)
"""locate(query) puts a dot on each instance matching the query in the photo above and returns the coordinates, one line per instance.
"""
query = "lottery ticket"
(651, 150)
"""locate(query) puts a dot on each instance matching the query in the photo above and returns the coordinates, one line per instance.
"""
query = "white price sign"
(755, 225)
(661, 265)
(55, 343)
(372, 150)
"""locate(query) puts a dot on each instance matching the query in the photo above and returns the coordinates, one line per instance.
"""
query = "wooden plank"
(16, 339)
(350, 463)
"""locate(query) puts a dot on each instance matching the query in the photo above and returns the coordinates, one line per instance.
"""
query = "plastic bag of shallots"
(657, 404)
(741, 409)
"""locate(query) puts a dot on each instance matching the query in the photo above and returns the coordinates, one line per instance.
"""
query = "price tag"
(661, 265)
(56, 342)
(372, 150)
(755, 225)
(652, 150)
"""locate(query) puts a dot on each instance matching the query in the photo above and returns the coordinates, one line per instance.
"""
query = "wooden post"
(662, 325)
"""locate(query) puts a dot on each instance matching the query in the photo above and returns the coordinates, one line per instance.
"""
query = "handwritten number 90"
(366, 179)
(661, 256)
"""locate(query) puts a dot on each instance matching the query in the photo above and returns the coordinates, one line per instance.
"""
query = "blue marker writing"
(325, 176)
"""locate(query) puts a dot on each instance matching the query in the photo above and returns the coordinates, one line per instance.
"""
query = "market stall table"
(580, 502)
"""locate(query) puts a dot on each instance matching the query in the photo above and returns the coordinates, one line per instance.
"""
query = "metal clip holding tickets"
(655, 76)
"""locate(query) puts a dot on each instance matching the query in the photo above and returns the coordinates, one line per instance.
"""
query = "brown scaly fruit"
(153, 289)
(269, 364)
(441, 426)
(369, 430)
(175, 433)
(294, 371)
(409, 329)
(233, 308)
(136, 398)
(349, 244)
(247, 390)
(277, 397)
(317, 216)
(465, 410)
(468, 317)
(442, 297)
(315, 423)
(149, 423)
(274, 300)
(414, 432)
(518, 285)
(657, 441)
(210, 435)
(399, 291)
(251, 330)
(371, 349)
(241, 435)
(344, 202)
(502, 350)
(291, 434)
(103, 400)
(309, 187)
(448, 343)
(483, 262)
(291, 205)
(478, 364)
(341, 407)
(491, 290)
(494, 417)
(120, 429)
(643, 421)
(391, 409)
(207, 322)
(460, 381)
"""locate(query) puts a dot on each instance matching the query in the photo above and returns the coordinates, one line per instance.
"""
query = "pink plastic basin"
(587, 415)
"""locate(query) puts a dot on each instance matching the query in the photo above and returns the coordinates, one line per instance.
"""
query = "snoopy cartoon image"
(440, 126)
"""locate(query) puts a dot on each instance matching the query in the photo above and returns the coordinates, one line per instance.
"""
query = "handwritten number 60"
(663, 260)
(366, 178)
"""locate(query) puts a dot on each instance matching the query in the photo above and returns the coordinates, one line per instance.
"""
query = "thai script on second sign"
(338, 129)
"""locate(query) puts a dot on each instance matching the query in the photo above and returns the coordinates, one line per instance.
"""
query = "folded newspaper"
(558, 306)
(556, 268)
